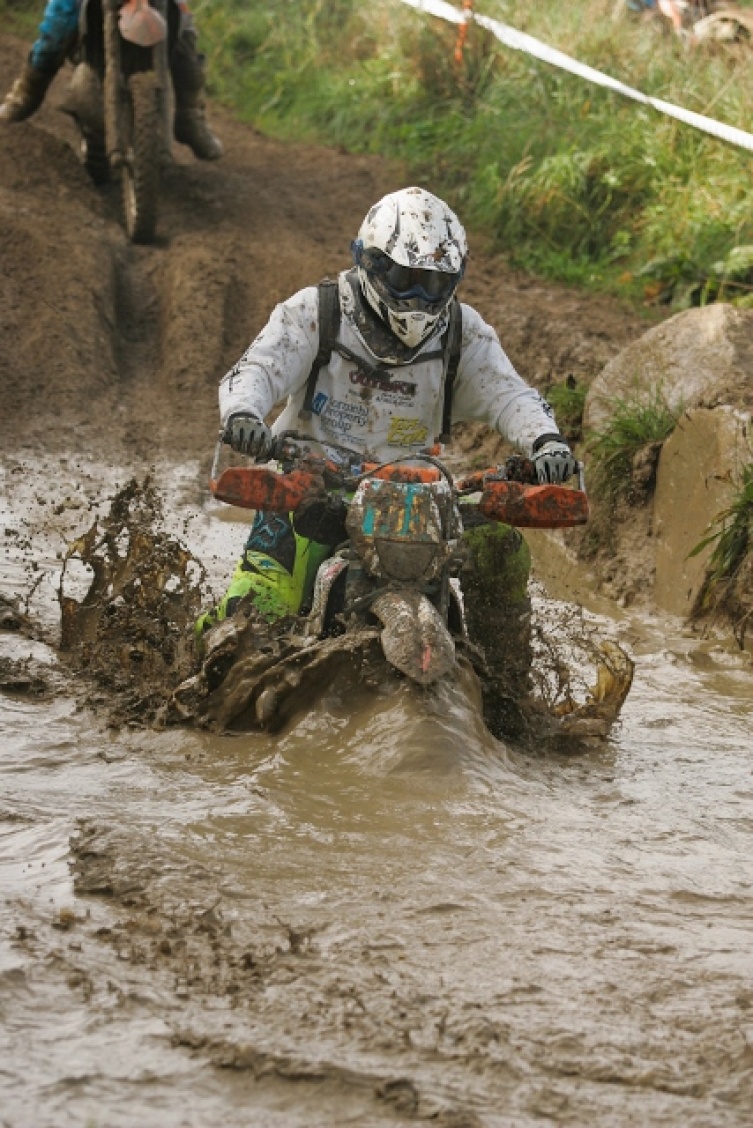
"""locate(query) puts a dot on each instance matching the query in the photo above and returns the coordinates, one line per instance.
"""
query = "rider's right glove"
(248, 435)
(553, 459)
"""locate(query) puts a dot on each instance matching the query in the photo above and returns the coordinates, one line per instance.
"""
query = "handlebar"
(510, 493)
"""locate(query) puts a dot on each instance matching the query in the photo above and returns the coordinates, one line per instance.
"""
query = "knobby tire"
(142, 168)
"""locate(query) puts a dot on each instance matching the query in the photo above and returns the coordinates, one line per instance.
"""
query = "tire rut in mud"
(137, 314)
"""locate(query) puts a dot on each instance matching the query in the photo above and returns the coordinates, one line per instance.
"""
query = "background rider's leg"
(188, 70)
(57, 32)
(58, 27)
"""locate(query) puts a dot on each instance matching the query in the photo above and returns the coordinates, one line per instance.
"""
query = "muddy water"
(383, 916)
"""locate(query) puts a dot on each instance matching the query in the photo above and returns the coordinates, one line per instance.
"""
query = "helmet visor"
(406, 282)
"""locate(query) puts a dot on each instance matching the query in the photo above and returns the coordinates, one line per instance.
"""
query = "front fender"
(414, 638)
(141, 24)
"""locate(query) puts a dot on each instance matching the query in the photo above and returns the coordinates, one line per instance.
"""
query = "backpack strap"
(329, 326)
(453, 345)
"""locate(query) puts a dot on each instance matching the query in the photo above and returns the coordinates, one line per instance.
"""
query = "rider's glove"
(247, 434)
(553, 459)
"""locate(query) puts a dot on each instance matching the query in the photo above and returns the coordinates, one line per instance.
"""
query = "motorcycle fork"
(112, 86)
(149, 58)
(161, 64)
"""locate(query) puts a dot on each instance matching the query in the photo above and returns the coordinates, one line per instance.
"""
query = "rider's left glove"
(553, 459)
(248, 435)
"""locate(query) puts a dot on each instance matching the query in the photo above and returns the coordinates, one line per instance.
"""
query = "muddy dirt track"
(384, 916)
(125, 345)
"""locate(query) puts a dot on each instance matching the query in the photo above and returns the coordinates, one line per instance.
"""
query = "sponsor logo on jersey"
(319, 402)
(340, 416)
(381, 382)
(407, 432)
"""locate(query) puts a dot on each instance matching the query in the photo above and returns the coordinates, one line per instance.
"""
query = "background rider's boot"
(191, 126)
(27, 93)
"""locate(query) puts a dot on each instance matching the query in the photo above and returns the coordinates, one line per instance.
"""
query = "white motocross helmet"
(410, 254)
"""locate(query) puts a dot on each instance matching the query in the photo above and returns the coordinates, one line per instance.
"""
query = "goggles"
(406, 282)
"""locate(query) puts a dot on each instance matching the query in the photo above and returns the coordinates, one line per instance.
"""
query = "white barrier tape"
(519, 41)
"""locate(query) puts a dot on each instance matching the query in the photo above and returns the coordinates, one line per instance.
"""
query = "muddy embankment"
(382, 916)
(698, 364)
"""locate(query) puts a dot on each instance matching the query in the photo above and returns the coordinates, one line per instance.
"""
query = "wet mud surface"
(382, 915)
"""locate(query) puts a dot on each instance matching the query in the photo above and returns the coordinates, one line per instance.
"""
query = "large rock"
(700, 358)
(698, 468)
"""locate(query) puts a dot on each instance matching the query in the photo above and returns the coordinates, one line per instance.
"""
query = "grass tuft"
(568, 400)
(731, 534)
(625, 454)
(573, 181)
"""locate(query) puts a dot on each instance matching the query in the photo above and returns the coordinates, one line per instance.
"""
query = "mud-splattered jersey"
(385, 413)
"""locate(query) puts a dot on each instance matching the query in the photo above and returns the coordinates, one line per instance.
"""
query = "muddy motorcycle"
(119, 97)
(390, 592)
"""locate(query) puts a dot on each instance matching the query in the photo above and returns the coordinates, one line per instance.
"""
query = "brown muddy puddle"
(381, 917)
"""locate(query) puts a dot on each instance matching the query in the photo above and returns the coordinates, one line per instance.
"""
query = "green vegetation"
(21, 16)
(572, 181)
(731, 533)
(625, 454)
(568, 400)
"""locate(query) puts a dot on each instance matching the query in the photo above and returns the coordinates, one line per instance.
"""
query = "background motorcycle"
(119, 97)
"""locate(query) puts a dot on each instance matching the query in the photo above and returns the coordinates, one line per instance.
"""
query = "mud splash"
(132, 630)
(581, 676)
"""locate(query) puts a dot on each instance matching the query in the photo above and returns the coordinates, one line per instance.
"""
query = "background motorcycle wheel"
(142, 166)
(94, 155)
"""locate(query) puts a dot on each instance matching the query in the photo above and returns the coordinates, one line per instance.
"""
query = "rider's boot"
(27, 93)
(57, 33)
(498, 616)
(189, 77)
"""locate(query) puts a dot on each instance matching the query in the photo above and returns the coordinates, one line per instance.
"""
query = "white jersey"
(390, 412)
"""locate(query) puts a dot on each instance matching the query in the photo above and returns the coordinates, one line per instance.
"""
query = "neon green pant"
(278, 566)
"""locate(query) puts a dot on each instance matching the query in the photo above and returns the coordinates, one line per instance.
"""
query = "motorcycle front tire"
(141, 170)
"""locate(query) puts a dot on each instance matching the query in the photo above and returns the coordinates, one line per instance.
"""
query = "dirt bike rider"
(380, 393)
(58, 34)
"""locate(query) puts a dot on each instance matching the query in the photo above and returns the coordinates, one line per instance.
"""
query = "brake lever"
(222, 438)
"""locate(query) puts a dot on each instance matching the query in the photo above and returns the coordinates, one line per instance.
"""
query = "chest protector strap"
(452, 347)
(329, 328)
